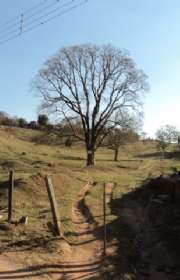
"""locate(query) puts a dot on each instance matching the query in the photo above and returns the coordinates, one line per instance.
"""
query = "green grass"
(66, 167)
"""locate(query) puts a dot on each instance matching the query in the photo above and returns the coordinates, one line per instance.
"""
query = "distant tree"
(123, 135)
(178, 142)
(67, 130)
(91, 83)
(3, 115)
(68, 142)
(5, 118)
(43, 120)
(9, 122)
(50, 127)
(116, 139)
(33, 125)
(144, 136)
(21, 122)
(165, 136)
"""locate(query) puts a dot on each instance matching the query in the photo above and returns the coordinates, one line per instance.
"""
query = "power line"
(52, 11)
(45, 21)
(29, 21)
(27, 14)
(25, 24)
(24, 12)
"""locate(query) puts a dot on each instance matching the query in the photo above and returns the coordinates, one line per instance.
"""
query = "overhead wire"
(25, 22)
(47, 18)
(27, 14)
(24, 12)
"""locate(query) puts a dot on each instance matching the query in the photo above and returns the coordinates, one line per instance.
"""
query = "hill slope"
(66, 167)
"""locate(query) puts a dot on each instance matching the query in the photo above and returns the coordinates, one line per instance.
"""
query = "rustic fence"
(107, 197)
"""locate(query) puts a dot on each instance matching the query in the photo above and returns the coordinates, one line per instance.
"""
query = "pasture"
(66, 167)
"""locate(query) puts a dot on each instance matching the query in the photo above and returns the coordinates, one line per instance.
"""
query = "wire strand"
(24, 22)
(30, 14)
(24, 12)
(45, 21)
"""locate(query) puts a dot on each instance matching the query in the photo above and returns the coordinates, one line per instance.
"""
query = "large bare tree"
(95, 84)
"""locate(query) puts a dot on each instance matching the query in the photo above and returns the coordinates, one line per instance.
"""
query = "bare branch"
(93, 83)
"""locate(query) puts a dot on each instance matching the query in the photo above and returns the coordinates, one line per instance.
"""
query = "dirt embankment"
(149, 230)
(159, 239)
(80, 260)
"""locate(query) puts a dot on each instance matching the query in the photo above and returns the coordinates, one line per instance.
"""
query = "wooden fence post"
(54, 207)
(104, 221)
(10, 195)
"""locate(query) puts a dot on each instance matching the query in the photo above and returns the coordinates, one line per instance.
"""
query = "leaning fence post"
(104, 220)
(10, 195)
(54, 207)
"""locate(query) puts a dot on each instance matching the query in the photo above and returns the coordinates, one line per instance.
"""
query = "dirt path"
(9, 270)
(82, 260)
(86, 253)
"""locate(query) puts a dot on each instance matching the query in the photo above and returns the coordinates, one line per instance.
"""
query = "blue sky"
(148, 29)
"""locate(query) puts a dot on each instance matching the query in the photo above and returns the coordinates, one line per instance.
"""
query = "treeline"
(42, 122)
(167, 135)
(63, 133)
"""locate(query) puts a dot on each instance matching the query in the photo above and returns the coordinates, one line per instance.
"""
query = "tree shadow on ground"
(122, 232)
(160, 235)
(61, 269)
(120, 160)
(4, 185)
(71, 158)
(31, 243)
(166, 155)
(152, 211)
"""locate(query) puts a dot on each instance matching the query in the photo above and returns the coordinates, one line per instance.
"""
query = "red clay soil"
(81, 260)
(10, 270)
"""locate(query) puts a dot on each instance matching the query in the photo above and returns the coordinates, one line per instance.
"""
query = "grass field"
(66, 167)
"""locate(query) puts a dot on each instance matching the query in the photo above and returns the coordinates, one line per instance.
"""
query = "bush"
(33, 125)
(43, 120)
(22, 122)
(68, 142)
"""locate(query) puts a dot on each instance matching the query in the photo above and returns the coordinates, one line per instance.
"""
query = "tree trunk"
(116, 152)
(90, 157)
(163, 153)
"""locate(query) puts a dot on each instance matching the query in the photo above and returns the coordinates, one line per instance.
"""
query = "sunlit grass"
(67, 168)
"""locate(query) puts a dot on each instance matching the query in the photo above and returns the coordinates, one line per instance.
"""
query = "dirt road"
(10, 270)
(81, 260)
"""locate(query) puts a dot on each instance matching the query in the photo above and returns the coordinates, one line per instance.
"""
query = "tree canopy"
(94, 84)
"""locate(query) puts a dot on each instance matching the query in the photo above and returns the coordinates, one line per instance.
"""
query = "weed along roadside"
(82, 229)
(10, 209)
(76, 255)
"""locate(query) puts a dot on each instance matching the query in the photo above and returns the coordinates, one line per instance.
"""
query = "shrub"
(68, 142)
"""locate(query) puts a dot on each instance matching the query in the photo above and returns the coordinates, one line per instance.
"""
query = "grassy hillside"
(66, 166)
